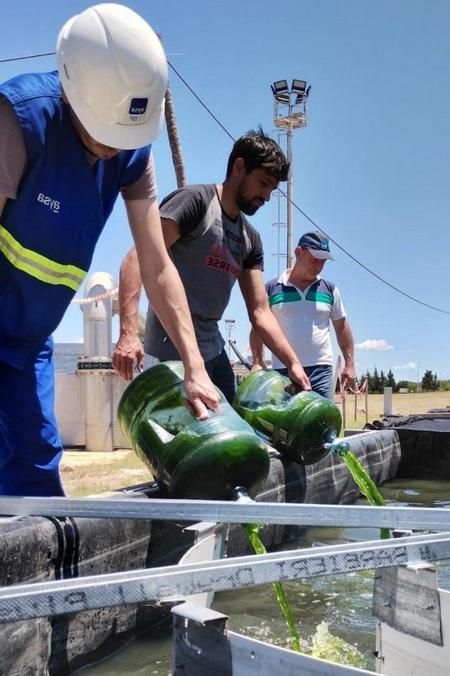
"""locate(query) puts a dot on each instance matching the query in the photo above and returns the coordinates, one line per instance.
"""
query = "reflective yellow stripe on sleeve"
(37, 265)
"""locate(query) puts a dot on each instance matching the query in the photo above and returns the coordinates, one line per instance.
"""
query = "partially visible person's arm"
(166, 293)
(265, 323)
(257, 350)
(344, 338)
(12, 152)
(129, 351)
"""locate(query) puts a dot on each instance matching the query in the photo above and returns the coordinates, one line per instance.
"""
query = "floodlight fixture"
(298, 86)
(283, 98)
(279, 86)
(229, 323)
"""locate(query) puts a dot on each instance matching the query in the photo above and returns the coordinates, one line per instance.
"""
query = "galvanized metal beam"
(416, 518)
(75, 595)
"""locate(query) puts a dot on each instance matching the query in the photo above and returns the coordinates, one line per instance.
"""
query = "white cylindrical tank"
(97, 385)
(95, 367)
(97, 315)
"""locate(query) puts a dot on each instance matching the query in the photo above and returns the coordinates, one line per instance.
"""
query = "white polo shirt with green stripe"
(305, 317)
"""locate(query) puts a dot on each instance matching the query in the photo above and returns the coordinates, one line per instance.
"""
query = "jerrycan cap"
(239, 494)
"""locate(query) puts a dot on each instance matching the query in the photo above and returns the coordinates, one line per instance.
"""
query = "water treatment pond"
(343, 601)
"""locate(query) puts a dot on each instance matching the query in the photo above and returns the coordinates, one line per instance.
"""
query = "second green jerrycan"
(303, 427)
(191, 458)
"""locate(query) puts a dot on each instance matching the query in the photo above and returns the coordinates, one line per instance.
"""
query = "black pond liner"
(424, 441)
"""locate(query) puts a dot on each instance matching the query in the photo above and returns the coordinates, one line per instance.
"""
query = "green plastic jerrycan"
(195, 459)
(303, 427)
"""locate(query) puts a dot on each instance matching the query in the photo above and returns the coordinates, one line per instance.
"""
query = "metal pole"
(229, 323)
(223, 511)
(279, 231)
(290, 196)
(344, 411)
(239, 355)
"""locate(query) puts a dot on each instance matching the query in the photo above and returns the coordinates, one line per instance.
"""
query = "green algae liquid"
(252, 534)
(364, 483)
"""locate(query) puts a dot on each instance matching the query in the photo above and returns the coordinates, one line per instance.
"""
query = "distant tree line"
(378, 380)
(430, 382)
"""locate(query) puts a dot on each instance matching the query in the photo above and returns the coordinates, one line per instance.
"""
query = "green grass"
(86, 474)
(402, 404)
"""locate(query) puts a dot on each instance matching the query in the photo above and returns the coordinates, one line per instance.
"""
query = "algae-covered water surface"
(343, 602)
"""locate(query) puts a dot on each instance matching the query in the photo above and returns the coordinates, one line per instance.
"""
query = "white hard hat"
(113, 71)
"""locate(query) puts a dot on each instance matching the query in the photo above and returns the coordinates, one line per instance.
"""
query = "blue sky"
(371, 168)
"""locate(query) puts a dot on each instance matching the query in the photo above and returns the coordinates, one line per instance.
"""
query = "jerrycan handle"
(162, 434)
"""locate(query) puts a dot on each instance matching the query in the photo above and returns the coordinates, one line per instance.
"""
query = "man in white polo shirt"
(304, 304)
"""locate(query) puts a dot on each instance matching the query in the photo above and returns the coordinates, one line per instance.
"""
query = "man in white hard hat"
(70, 141)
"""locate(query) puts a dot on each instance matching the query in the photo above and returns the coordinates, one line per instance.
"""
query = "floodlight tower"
(289, 114)
(229, 324)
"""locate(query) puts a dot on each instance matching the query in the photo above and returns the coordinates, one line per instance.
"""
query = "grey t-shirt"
(210, 255)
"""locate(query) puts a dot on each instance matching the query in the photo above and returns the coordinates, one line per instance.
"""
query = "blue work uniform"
(47, 239)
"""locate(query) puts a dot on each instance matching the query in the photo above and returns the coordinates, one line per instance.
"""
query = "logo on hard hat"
(138, 106)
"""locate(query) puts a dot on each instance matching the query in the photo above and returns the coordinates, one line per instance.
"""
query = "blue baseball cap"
(317, 244)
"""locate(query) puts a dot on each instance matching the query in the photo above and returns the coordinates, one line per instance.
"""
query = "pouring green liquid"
(360, 476)
(253, 535)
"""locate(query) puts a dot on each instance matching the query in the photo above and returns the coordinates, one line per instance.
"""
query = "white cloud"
(406, 367)
(371, 344)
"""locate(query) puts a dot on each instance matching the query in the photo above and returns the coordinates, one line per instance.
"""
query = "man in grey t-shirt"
(213, 245)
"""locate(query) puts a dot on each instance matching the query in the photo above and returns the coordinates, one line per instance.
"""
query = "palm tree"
(174, 137)
(174, 140)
